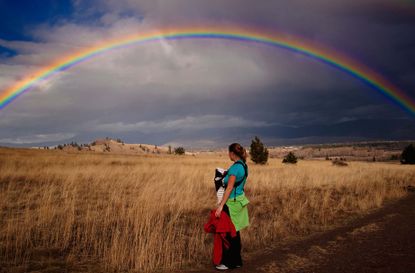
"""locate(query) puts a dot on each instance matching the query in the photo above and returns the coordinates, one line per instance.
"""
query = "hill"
(108, 145)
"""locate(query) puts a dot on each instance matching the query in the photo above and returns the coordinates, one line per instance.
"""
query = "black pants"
(231, 257)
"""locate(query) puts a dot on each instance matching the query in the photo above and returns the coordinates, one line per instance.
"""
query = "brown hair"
(237, 149)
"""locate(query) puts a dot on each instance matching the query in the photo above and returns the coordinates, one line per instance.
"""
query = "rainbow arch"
(295, 44)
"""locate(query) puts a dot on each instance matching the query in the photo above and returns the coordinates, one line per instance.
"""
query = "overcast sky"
(205, 93)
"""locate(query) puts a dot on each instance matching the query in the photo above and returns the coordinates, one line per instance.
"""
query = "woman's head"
(236, 151)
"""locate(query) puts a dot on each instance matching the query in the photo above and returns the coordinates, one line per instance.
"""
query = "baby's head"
(219, 175)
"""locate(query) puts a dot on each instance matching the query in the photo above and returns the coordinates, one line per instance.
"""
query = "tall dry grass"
(146, 213)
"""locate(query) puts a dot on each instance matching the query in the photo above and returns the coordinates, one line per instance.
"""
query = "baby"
(219, 186)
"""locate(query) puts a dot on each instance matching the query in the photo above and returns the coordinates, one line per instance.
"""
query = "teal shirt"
(239, 171)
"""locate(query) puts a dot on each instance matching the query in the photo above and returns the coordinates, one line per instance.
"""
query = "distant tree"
(179, 151)
(394, 157)
(74, 144)
(408, 155)
(258, 151)
(107, 148)
(290, 158)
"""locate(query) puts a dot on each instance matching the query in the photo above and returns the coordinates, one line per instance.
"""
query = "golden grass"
(146, 213)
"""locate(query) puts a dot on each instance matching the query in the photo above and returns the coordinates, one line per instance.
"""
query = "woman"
(234, 203)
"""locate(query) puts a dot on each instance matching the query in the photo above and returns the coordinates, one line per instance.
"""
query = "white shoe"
(222, 267)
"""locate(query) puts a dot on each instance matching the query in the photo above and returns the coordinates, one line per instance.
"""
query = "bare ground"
(382, 242)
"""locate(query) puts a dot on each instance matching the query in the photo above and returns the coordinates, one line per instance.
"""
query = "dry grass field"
(136, 213)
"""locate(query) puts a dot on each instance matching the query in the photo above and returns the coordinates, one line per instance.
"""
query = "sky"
(205, 93)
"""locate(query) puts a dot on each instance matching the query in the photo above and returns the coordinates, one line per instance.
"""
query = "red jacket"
(220, 227)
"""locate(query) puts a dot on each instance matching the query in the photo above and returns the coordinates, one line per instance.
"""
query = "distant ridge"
(109, 145)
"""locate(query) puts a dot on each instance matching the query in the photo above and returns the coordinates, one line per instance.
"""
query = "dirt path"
(383, 241)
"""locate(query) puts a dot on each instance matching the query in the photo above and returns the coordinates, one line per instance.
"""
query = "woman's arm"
(229, 188)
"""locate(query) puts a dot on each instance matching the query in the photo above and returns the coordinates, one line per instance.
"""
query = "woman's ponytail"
(237, 149)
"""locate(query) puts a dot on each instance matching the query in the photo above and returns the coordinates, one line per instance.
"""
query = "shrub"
(179, 151)
(290, 158)
(337, 162)
(408, 155)
(258, 152)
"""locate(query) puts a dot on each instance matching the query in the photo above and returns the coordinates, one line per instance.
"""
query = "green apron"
(238, 211)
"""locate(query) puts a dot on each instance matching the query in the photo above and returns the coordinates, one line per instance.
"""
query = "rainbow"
(310, 49)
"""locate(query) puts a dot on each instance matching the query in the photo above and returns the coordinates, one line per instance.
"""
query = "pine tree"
(290, 158)
(408, 155)
(258, 152)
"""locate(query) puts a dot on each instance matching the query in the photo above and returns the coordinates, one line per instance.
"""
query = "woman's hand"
(218, 211)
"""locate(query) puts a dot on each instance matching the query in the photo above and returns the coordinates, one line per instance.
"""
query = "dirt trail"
(383, 241)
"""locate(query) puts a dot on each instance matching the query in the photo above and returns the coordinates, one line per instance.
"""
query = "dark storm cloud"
(209, 93)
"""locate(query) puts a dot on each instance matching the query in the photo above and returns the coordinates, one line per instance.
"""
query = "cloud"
(39, 138)
(186, 123)
(205, 87)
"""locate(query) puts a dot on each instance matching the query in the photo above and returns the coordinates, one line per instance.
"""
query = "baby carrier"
(220, 185)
